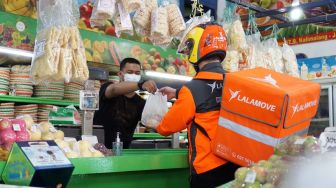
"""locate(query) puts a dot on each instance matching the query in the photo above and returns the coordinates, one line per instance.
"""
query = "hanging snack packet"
(175, 20)
(142, 18)
(290, 61)
(102, 11)
(159, 24)
(59, 54)
(159, 27)
(131, 5)
(122, 21)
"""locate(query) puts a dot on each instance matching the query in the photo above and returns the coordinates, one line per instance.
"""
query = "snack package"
(102, 11)
(142, 21)
(142, 18)
(155, 108)
(64, 116)
(231, 61)
(59, 53)
(131, 5)
(159, 24)
(122, 21)
(175, 20)
(290, 61)
(237, 36)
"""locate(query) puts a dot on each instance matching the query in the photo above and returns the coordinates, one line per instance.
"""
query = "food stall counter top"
(133, 160)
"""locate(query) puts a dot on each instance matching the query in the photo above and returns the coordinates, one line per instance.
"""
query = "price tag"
(92, 139)
(52, 129)
(66, 149)
(39, 48)
(16, 127)
(250, 177)
(92, 149)
(299, 141)
(89, 100)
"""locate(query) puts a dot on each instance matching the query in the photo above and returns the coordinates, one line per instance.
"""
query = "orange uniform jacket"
(197, 109)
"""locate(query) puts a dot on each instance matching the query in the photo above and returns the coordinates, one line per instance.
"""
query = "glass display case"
(325, 113)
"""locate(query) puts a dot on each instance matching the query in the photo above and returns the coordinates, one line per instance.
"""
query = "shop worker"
(120, 108)
(198, 104)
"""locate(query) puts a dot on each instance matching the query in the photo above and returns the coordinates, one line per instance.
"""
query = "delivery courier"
(261, 108)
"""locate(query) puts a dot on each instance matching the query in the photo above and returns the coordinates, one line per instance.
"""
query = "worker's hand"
(170, 92)
(149, 86)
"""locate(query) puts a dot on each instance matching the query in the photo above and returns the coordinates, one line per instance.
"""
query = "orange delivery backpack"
(261, 108)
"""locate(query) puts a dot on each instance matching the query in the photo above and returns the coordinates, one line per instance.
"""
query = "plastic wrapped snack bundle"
(122, 21)
(59, 53)
(175, 20)
(237, 36)
(131, 5)
(142, 21)
(102, 11)
(290, 62)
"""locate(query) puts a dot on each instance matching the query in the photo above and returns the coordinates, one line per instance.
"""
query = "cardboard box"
(37, 163)
(261, 108)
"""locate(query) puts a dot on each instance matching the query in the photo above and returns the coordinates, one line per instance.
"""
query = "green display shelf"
(36, 100)
(141, 168)
(133, 160)
(153, 136)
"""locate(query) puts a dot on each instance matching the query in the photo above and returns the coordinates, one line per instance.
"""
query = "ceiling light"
(295, 14)
(17, 52)
(168, 76)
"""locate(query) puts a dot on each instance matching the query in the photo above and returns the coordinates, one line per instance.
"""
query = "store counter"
(136, 168)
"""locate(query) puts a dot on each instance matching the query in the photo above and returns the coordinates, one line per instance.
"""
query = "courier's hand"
(170, 92)
(149, 86)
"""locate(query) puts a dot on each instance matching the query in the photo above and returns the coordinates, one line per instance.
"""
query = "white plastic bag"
(155, 108)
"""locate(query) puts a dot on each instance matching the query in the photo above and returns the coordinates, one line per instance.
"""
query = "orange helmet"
(203, 41)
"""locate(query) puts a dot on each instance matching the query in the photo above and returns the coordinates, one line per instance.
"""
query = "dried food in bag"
(131, 5)
(102, 11)
(46, 54)
(175, 20)
(290, 61)
(142, 21)
(237, 36)
(159, 23)
(231, 61)
(122, 21)
(58, 44)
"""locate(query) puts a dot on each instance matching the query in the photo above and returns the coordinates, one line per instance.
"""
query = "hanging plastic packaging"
(122, 21)
(59, 53)
(102, 11)
(175, 20)
(131, 5)
(142, 18)
(290, 61)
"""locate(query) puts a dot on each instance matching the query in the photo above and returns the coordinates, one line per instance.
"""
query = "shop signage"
(310, 38)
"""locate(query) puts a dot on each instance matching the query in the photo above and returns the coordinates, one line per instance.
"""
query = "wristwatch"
(140, 85)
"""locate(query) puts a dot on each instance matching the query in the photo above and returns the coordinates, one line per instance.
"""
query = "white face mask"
(132, 78)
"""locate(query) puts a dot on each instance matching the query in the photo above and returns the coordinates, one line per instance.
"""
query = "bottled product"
(325, 67)
(304, 71)
(117, 146)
